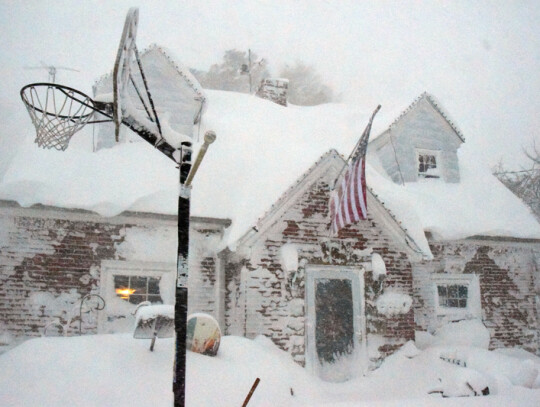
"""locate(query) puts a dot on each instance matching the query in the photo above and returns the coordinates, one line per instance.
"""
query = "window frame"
(110, 268)
(473, 308)
(437, 174)
(146, 295)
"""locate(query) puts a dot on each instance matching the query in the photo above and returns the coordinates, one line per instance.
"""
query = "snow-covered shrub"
(518, 372)
(461, 382)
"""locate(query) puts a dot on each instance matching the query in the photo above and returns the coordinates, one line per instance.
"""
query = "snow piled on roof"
(478, 205)
(129, 176)
(261, 149)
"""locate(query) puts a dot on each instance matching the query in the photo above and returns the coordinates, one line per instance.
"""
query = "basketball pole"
(187, 172)
(180, 307)
(51, 137)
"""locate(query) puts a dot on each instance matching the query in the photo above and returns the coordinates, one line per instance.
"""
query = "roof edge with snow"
(437, 106)
(7, 204)
(279, 207)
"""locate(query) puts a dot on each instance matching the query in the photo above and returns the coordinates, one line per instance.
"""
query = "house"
(456, 244)
(444, 239)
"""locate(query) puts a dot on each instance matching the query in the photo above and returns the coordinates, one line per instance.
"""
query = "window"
(125, 284)
(428, 163)
(453, 295)
(457, 295)
(136, 289)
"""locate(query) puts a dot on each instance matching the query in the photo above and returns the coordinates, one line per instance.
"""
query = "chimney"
(274, 89)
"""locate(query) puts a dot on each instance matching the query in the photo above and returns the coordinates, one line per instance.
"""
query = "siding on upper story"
(422, 127)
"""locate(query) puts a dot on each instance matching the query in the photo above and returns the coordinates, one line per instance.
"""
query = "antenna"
(52, 70)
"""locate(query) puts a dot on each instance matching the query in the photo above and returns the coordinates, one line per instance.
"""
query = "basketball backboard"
(125, 59)
(177, 97)
(154, 96)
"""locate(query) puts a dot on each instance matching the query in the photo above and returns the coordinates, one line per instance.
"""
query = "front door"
(335, 348)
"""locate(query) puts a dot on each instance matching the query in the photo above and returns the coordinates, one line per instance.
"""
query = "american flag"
(348, 202)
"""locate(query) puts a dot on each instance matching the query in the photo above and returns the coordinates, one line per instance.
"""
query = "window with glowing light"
(136, 289)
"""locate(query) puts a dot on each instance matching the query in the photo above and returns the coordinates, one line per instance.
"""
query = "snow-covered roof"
(261, 150)
(478, 205)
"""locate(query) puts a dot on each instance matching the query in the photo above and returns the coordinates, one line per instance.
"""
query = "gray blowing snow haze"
(480, 59)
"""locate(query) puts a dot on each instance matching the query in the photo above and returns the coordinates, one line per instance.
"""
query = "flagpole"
(355, 149)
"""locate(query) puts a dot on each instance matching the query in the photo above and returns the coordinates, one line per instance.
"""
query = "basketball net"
(57, 112)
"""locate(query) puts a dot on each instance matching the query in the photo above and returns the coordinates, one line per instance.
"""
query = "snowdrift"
(102, 370)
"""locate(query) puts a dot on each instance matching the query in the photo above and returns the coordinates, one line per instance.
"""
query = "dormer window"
(428, 163)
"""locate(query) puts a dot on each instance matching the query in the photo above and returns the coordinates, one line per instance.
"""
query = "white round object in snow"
(203, 334)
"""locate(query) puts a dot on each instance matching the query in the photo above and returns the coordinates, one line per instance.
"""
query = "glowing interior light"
(124, 293)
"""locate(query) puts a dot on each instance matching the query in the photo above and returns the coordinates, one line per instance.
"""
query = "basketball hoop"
(57, 112)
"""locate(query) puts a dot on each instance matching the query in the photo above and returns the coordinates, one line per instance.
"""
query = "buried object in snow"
(203, 334)
(154, 321)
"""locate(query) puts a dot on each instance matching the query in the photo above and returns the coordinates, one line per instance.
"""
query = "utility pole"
(249, 62)
(246, 69)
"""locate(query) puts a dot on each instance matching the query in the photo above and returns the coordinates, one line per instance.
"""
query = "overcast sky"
(481, 60)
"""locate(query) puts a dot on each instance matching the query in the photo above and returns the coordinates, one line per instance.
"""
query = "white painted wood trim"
(133, 268)
(471, 281)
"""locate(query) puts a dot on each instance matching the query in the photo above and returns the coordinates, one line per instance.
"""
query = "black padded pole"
(180, 312)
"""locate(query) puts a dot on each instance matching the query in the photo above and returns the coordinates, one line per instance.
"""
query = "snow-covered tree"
(305, 85)
(233, 73)
(524, 183)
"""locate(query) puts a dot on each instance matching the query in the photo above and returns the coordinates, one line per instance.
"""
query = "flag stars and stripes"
(348, 202)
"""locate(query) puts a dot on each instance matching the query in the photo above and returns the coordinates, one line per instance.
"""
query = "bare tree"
(234, 72)
(305, 85)
(524, 183)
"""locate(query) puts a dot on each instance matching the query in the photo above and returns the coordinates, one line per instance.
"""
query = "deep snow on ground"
(117, 370)
(97, 370)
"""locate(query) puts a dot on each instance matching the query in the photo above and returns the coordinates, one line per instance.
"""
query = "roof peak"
(181, 70)
(436, 105)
